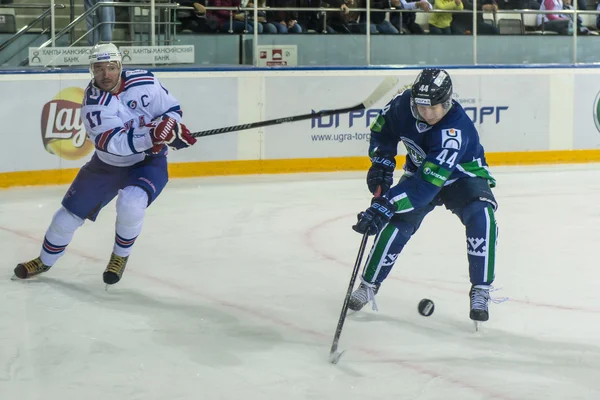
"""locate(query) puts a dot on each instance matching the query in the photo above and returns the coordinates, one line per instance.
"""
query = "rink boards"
(524, 116)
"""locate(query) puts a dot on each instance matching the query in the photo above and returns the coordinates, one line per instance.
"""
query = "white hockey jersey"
(116, 122)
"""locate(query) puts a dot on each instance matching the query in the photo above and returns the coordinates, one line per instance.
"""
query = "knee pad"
(64, 222)
(131, 205)
(475, 210)
(405, 231)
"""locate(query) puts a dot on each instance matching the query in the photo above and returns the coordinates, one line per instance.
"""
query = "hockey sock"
(131, 207)
(482, 232)
(388, 245)
(59, 235)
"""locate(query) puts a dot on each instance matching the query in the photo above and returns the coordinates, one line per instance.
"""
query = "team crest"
(416, 154)
(422, 127)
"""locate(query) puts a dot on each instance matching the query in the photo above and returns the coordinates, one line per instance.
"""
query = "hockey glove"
(381, 173)
(375, 217)
(170, 132)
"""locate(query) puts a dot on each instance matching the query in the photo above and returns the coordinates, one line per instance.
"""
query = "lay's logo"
(63, 132)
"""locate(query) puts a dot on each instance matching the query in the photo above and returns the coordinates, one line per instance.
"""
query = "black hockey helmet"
(432, 86)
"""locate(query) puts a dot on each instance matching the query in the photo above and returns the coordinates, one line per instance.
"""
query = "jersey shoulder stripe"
(137, 78)
(96, 97)
(175, 109)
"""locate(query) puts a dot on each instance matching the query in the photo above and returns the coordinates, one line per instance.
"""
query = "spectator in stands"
(559, 23)
(337, 20)
(378, 18)
(314, 20)
(519, 4)
(356, 22)
(264, 25)
(407, 21)
(195, 20)
(463, 23)
(224, 23)
(104, 17)
(581, 30)
(439, 23)
(284, 21)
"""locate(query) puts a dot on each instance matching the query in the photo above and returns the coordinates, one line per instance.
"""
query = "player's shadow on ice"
(207, 336)
(492, 346)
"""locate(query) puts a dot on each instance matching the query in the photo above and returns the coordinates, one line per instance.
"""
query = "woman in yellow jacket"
(439, 23)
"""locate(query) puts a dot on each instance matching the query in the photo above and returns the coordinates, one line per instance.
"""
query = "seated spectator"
(355, 22)
(264, 26)
(559, 23)
(338, 20)
(284, 21)
(378, 18)
(463, 23)
(313, 20)
(224, 24)
(519, 4)
(581, 30)
(378, 22)
(407, 21)
(439, 23)
(195, 20)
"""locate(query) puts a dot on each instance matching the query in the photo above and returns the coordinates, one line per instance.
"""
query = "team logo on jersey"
(422, 127)
(132, 104)
(63, 132)
(416, 154)
(451, 139)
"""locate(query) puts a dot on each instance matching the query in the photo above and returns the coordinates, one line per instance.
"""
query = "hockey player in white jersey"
(133, 120)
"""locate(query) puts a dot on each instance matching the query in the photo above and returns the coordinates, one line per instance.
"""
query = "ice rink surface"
(234, 289)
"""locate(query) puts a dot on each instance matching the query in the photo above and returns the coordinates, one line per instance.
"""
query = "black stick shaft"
(340, 325)
(277, 121)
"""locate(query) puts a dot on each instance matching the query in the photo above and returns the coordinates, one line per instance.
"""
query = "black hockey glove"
(381, 173)
(375, 217)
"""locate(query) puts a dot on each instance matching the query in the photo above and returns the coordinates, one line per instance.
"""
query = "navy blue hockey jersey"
(436, 155)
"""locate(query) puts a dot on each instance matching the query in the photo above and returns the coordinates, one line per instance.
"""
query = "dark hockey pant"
(471, 199)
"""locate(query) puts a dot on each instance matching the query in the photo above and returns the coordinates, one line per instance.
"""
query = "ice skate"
(30, 268)
(480, 296)
(114, 270)
(361, 296)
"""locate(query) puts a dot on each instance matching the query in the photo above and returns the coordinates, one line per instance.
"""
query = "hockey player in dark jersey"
(445, 165)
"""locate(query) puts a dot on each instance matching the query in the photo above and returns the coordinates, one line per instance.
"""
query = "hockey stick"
(385, 86)
(334, 354)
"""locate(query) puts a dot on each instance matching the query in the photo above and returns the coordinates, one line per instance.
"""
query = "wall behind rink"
(524, 116)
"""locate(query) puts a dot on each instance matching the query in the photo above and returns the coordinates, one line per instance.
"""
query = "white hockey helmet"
(105, 53)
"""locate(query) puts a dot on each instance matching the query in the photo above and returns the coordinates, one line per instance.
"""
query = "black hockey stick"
(385, 86)
(334, 354)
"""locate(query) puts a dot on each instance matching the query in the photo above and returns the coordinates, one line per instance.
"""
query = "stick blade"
(334, 356)
(384, 87)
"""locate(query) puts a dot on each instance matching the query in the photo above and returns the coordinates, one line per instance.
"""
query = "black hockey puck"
(426, 307)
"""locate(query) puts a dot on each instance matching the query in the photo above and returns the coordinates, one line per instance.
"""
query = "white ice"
(234, 289)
